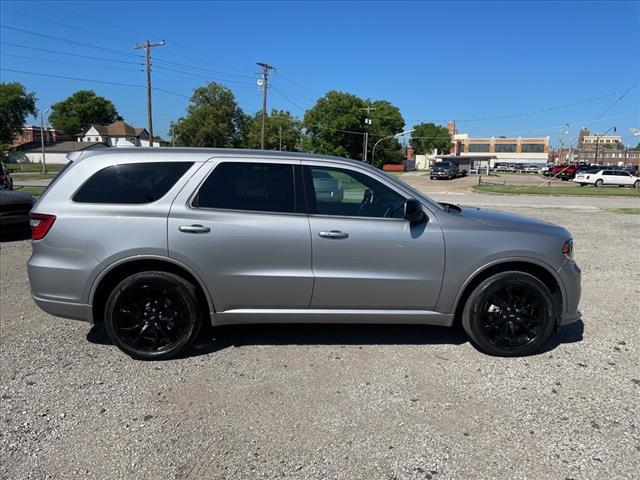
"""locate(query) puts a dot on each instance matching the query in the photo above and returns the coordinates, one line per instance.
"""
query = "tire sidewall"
(186, 292)
(471, 321)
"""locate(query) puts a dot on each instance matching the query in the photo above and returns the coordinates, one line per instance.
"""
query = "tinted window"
(348, 193)
(478, 147)
(264, 187)
(131, 183)
(505, 147)
(532, 148)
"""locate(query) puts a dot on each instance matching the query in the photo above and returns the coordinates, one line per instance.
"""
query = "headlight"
(567, 249)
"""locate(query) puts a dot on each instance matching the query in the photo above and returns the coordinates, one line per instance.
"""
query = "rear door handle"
(336, 234)
(194, 229)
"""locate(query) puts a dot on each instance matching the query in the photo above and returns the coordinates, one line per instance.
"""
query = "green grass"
(32, 167)
(33, 175)
(36, 191)
(558, 191)
(628, 211)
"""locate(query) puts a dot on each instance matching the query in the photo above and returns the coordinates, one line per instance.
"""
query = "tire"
(637, 185)
(599, 183)
(520, 325)
(582, 184)
(431, 178)
(161, 305)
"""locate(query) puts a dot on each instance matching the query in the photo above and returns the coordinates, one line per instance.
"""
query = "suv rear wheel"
(509, 314)
(153, 315)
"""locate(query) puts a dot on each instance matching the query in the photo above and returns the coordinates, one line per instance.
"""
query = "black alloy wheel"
(153, 315)
(509, 314)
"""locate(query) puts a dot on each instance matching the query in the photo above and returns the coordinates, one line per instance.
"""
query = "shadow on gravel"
(215, 339)
(571, 333)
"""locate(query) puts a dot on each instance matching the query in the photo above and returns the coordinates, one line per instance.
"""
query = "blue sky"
(493, 67)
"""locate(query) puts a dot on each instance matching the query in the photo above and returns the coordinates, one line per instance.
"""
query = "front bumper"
(571, 277)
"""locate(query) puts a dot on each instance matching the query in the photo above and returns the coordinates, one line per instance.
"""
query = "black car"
(14, 211)
(446, 170)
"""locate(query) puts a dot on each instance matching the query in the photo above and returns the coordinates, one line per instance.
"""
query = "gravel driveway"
(346, 402)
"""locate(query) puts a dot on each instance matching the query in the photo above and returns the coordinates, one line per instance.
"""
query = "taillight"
(40, 225)
(567, 249)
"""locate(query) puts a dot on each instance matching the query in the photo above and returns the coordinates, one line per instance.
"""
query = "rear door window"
(262, 187)
(131, 183)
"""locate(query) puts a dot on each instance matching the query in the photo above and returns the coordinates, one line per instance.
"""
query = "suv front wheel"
(509, 314)
(153, 315)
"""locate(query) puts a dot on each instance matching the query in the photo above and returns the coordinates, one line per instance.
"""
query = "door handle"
(194, 229)
(336, 234)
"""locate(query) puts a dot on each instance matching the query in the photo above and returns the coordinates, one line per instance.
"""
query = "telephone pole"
(266, 68)
(147, 45)
(367, 122)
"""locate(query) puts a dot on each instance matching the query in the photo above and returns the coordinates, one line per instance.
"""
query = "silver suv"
(157, 242)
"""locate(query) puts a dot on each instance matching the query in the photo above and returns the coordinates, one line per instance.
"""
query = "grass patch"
(33, 176)
(35, 191)
(32, 167)
(558, 191)
(628, 211)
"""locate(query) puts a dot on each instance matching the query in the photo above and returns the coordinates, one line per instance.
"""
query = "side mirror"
(413, 211)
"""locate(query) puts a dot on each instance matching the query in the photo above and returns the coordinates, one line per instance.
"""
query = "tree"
(330, 125)
(386, 120)
(427, 136)
(335, 125)
(282, 131)
(75, 114)
(15, 105)
(637, 147)
(213, 119)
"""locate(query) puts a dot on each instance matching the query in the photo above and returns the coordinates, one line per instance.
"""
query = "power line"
(58, 52)
(91, 80)
(65, 77)
(60, 39)
(614, 103)
(287, 98)
(196, 75)
(208, 70)
(53, 22)
(51, 60)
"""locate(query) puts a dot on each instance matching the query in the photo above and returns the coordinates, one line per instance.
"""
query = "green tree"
(330, 124)
(213, 119)
(335, 125)
(83, 108)
(637, 147)
(386, 120)
(15, 105)
(282, 131)
(427, 136)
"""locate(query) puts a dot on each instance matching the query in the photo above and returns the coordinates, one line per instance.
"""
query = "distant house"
(29, 137)
(119, 133)
(56, 153)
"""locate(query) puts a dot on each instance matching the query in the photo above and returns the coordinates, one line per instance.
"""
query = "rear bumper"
(75, 311)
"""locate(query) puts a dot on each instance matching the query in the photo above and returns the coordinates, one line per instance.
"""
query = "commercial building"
(29, 137)
(604, 150)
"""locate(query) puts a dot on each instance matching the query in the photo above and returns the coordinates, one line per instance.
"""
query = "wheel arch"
(116, 272)
(539, 270)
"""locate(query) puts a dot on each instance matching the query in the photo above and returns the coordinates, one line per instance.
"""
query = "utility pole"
(367, 122)
(44, 162)
(147, 45)
(266, 68)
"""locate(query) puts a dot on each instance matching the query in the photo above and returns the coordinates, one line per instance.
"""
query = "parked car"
(564, 172)
(327, 188)
(604, 177)
(6, 181)
(502, 168)
(14, 210)
(446, 170)
(154, 243)
(531, 169)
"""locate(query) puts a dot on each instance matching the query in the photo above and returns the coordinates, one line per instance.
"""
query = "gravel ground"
(346, 402)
